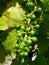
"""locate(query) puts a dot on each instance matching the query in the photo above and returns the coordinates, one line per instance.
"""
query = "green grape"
(25, 40)
(32, 32)
(30, 47)
(25, 53)
(23, 43)
(39, 9)
(23, 60)
(37, 25)
(34, 39)
(28, 16)
(26, 48)
(27, 29)
(21, 47)
(33, 17)
(41, 18)
(29, 41)
(21, 54)
(19, 50)
(19, 34)
(35, 22)
(23, 27)
(30, 5)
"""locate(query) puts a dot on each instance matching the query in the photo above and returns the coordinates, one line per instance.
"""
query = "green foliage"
(11, 17)
(10, 41)
(46, 3)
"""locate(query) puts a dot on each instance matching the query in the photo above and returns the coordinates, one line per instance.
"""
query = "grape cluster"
(24, 40)
(26, 33)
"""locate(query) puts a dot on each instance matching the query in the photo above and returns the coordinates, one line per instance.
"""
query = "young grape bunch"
(27, 32)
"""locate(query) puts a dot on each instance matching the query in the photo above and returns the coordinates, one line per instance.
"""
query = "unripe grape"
(19, 50)
(30, 4)
(17, 45)
(21, 47)
(29, 41)
(26, 48)
(35, 22)
(27, 29)
(28, 16)
(23, 27)
(25, 53)
(21, 54)
(37, 25)
(19, 34)
(39, 9)
(33, 17)
(41, 18)
(30, 47)
(34, 39)
(32, 32)
(25, 40)
(23, 44)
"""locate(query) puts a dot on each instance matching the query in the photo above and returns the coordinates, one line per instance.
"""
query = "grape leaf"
(15, 13)
(12, 17)
(10, 42)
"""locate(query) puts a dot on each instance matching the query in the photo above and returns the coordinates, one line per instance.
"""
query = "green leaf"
(15, 13)
(12, 17)
(10, 42)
